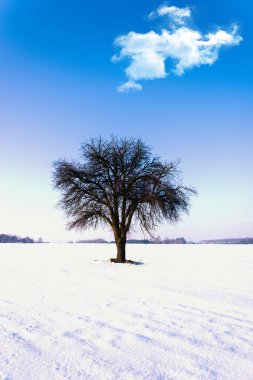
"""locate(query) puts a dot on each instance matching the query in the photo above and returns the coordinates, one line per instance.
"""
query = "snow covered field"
(67, 313)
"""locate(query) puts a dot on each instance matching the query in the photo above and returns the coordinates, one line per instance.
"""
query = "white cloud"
(142, 49)
(129, 86)
(184, 47)
(190, 48)
(178, 15)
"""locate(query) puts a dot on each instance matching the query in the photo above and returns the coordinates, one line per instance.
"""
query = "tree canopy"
(120, 182)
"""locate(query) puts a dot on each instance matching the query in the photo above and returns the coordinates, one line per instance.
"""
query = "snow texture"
(66, 312)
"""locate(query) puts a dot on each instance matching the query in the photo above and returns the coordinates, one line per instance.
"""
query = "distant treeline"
(180, 240)
(14, 239)
(158, 240)
(4, 238)
(229, 241)
(90, 241)
(138, 241)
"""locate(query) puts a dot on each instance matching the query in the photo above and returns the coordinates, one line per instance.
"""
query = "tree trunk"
(121, 249)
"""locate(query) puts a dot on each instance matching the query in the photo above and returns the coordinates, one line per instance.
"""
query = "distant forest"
(15, 239)
(158, 240)
(180, 240)
(229, 241)
(4, 238)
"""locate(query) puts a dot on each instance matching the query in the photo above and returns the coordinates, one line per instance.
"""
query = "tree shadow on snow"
(126, 262)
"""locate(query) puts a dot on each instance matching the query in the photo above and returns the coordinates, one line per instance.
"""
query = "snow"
(67, 313)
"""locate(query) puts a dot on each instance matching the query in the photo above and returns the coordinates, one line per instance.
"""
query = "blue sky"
(58, 87)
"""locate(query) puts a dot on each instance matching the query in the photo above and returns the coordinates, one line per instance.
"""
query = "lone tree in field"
(120, 182)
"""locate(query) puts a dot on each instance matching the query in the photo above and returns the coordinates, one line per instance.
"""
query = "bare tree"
(118, 183)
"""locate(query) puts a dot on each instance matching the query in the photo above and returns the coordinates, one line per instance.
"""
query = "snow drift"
(68, 313)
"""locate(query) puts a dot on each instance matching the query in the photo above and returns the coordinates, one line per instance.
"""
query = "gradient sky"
(58, 87)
